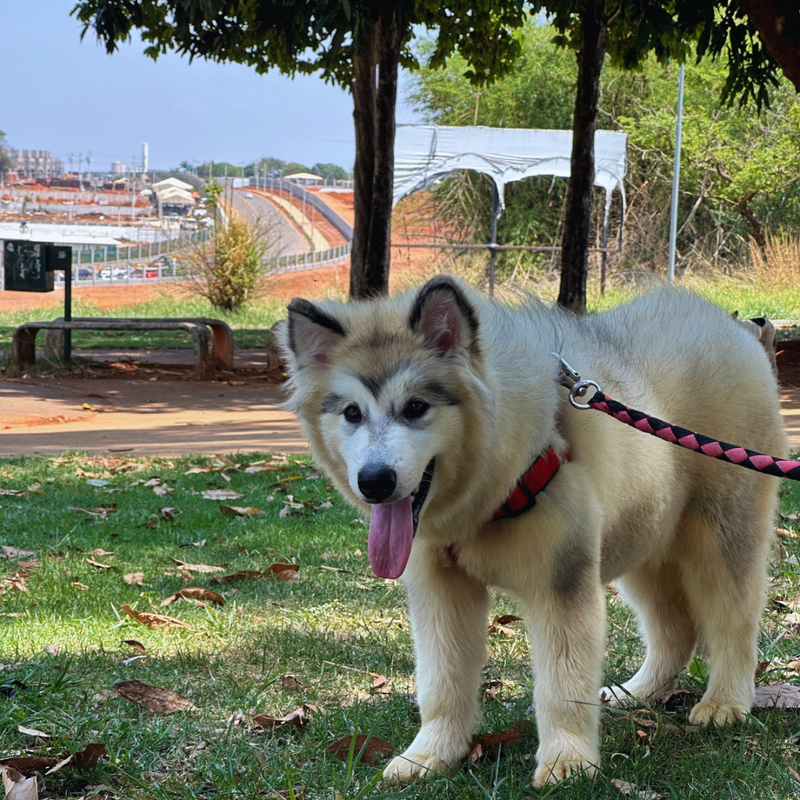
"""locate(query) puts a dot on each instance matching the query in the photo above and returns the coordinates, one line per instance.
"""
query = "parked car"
(83, 274)
(248, 195)
(116, 273)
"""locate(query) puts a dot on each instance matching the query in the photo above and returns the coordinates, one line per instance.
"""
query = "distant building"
(35, 163)
(117, 168)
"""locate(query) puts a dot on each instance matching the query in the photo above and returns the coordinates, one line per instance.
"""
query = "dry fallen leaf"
(285, 572)
(370, 747)
(780, 695)
(17, 786)
(289, 681)
(242, 575)
(28, 763)
(663, 726)
(154, 620)
(490, 688)
(169, 513)
(153, 698)
(221, 494)
(101, 511)
(134, 578)
(240, 511)
(136, 645)
(205, 568)
(98, 565)
(32, 732)
(297, 718)
(195, 593)
(631, 790)
(90, 755)
(517, 733)
(100, 553)
(6, 551)
(500, 624)
(14, 582)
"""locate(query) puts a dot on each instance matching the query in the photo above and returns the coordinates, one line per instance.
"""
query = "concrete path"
(170, 417)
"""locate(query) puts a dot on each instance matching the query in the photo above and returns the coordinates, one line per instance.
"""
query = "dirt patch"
(341, 202)
(104, 297)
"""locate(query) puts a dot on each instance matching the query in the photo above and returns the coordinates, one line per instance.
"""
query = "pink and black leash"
(723, 451)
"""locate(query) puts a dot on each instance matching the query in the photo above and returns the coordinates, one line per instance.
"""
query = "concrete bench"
(223, 335)
(23, 344)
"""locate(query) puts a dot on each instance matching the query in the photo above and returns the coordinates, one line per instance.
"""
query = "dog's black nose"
(377, 482)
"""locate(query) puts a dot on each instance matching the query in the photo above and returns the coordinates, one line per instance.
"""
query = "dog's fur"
(686, 537)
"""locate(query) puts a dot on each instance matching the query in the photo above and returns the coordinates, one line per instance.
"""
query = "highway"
(291, 241)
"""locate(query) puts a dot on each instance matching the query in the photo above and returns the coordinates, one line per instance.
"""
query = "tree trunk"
(756, 228)
(380, 228)
(373, 174)
(580, 190)
(778, 26)
(364, 166)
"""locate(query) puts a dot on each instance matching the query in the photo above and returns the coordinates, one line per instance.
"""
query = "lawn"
(250, 324)
(333, 640)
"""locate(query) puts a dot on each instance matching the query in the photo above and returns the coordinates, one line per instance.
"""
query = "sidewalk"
(171, 417)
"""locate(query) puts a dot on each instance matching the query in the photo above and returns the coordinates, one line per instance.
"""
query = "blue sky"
(60, 94)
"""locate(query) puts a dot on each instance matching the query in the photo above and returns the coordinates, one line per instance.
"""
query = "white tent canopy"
(427, 153)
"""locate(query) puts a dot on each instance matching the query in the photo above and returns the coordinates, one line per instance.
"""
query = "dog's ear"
(313, 333)
(445, 317)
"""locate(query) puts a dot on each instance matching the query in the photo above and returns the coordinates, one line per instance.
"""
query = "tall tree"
(5, 160)
(628, 31)
(349, 43)
(778, 26)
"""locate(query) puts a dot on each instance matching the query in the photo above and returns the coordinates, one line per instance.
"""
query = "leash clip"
(571, 380)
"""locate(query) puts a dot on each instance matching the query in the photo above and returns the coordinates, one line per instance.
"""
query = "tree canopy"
(739, 168)
(358, 44)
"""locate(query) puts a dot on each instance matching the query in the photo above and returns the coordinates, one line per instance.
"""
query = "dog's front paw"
(707, 712)
(412, 765)
(550, 772)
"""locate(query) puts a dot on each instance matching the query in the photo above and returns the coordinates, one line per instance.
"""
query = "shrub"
(227, 270)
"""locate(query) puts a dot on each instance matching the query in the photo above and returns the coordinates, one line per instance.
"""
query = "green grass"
(250, 325)
(334, 629)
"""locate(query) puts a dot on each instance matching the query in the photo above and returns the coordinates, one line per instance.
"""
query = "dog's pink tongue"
(391, 532)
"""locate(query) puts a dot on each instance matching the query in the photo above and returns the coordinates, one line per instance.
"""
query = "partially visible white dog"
(429, 408)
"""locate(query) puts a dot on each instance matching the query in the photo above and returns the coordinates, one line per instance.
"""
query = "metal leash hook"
(572, 380)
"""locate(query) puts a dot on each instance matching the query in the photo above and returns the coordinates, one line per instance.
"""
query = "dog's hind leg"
(724, 579)
(655, 592)
(448, 611)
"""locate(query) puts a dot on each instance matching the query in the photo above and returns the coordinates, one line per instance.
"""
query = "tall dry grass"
(778, 265)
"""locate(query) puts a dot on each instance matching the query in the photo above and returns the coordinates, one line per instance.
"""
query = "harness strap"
(535, 480)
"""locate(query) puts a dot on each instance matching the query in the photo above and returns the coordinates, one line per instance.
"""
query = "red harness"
(535, 480)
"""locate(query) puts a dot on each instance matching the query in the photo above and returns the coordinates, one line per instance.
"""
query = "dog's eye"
(415, 409)
(352, 413)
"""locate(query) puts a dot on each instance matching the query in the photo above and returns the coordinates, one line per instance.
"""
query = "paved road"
(291, 241)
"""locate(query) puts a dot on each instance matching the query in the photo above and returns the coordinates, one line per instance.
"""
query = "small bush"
(227, 270)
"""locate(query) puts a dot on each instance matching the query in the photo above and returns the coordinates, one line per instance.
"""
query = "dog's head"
(380, 388)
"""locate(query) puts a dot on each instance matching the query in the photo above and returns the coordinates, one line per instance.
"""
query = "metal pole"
(493, 252)
(68, 311)
(676, 174)
(604, 256)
